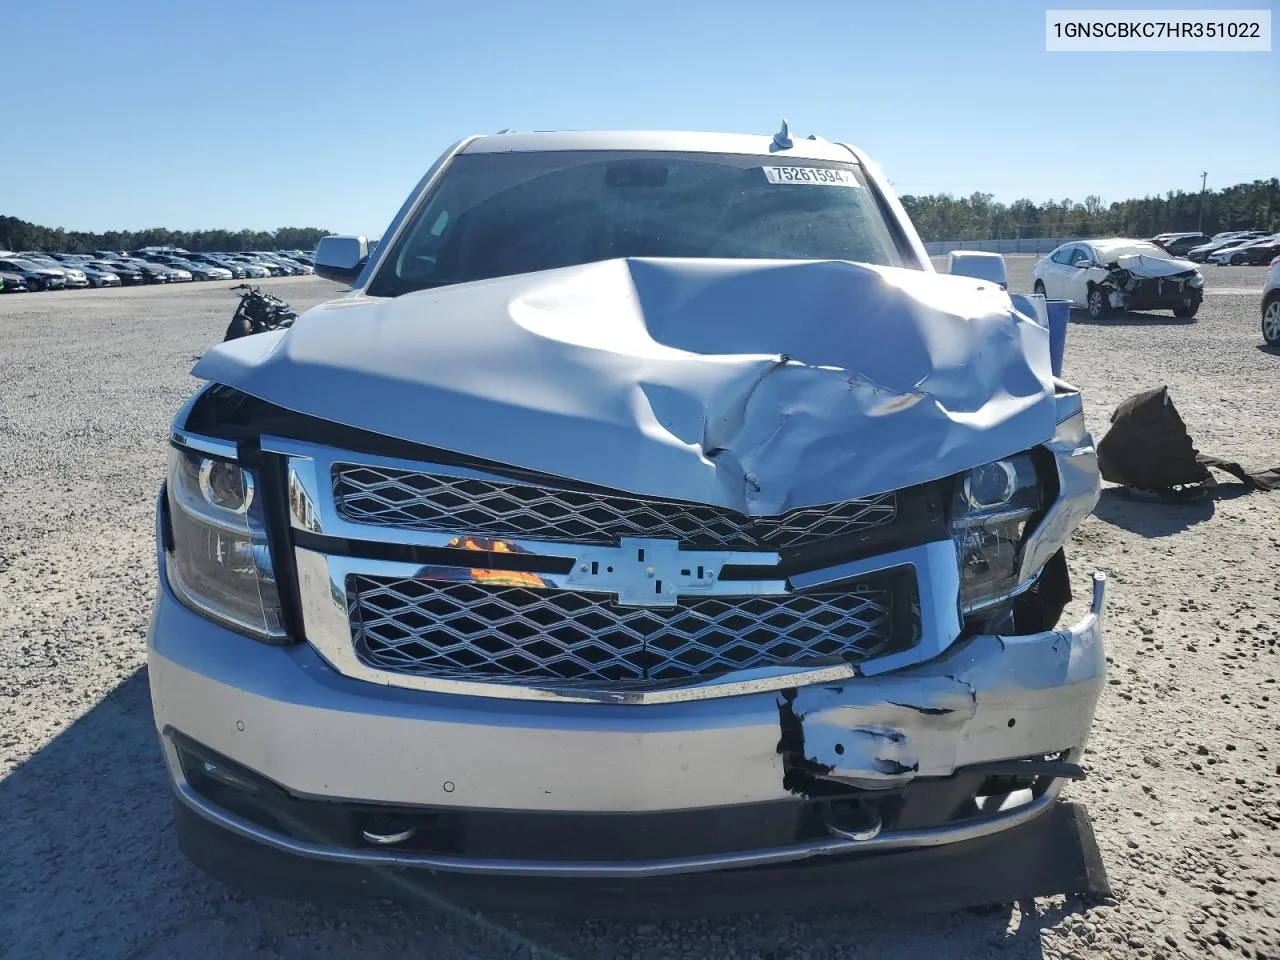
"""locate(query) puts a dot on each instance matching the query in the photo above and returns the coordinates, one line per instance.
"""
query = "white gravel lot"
(1185, 758)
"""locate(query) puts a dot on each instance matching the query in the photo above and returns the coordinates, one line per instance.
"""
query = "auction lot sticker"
(815, 176)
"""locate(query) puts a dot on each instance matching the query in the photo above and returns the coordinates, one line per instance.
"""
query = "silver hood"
(755, 385)
(1141, 265)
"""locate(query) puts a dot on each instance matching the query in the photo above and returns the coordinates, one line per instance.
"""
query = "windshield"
(498, 214)
(1109, 253)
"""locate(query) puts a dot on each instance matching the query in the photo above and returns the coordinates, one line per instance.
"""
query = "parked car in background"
(198, 271)
(154, 272)
(1271, 305)
(278, 266)
(35, 276)
(253, 270)
(1221, 254)
(1104, 275)
(156, 265)
(1179, 245)
(1163, 239)
(129, 276)
(176, 274)
(291, 267)
(202, 269)
(12, 282)
(100, 276)
(162, 251)
(1248, 252)
(260, 268)
(1201, 253)
(75, 276)
(236, 269)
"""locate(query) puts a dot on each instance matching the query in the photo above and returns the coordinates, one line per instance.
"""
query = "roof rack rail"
(505, 130)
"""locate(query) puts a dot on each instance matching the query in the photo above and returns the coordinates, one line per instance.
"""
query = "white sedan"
(1117, 274)
(1271, 306)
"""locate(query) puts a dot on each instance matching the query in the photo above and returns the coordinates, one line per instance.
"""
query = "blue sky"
(248, 113)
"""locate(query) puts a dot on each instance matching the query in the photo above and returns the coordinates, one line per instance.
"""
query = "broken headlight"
(220, 562)
(994, 504)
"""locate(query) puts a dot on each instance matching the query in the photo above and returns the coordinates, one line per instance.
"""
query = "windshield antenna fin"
(782, 139)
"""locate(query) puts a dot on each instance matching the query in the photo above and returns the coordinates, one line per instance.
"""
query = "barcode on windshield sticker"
(815, 176)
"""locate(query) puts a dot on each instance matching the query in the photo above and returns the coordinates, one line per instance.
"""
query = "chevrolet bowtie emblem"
(649, 572)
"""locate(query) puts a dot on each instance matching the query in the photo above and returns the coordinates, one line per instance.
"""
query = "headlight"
(220, 564)
(1196, 281)
(993, 506)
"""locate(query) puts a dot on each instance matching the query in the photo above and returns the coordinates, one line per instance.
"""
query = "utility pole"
(1200, 218)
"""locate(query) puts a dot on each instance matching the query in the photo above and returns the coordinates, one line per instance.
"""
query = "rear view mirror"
(979, 265)
(341, 258)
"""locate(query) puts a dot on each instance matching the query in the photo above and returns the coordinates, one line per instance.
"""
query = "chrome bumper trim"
(906, 839)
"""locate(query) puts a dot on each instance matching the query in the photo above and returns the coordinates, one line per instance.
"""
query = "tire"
(1099, 306)
(36, 286)
(1271, 321)
(1039, 289)
(1236, 260)
(1187, 309)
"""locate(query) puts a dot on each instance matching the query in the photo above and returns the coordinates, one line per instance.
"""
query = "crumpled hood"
(1143, 266)
(755, 385)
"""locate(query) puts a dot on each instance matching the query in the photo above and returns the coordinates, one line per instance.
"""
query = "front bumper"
(1157, 299)
(313, 736)
(1055, 854)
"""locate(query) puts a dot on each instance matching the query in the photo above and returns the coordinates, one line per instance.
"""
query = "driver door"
(1054, 275)
(1075, 285)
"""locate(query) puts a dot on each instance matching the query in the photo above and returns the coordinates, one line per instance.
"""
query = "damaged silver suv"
(649, 507)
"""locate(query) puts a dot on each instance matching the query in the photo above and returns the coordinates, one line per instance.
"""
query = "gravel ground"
(1185, 757)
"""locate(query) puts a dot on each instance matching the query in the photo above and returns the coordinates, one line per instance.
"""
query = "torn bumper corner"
(989, 699)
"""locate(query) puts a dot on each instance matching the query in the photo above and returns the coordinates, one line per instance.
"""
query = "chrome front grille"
(501, 632)
(391, 497)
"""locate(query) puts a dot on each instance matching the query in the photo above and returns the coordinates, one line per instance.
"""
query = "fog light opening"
(851, 820)
(1004, 801)
(384, 830)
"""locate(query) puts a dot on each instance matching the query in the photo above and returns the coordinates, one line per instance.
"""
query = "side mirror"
(979, 265)
(341, 258)
(1082, 264)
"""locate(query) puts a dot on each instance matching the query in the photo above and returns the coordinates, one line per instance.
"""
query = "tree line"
(1245, 206)
(18, 234)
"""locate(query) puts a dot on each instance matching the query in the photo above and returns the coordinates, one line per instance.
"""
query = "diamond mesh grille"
(389, 496)
(502, 633)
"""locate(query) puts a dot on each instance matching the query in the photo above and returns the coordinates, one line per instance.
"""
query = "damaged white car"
(649, 507)
(1103, 276)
